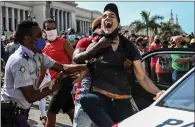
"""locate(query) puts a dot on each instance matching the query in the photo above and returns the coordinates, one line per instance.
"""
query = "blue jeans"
(81, 119)
(104, 111)
(177, 75)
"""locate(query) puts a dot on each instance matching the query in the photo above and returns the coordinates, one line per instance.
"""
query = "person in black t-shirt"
(109, 101)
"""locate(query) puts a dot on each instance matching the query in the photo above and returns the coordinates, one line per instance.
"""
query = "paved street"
(62, 119)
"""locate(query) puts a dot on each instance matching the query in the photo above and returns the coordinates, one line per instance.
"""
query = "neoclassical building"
(65, 13)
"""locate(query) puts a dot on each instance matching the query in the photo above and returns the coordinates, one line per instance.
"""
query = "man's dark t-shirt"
(108, 71)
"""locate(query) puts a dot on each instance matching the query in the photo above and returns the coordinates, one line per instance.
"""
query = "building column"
(83, 26)
(6, 19)
(70, 19)
(53, 13)
(66, 20)
(24, 17)
(13, 20)
(18, 15)
(58, 21)
(80, 28)
(29, 13)
(1, 18)
(62, 21)
(87, 26)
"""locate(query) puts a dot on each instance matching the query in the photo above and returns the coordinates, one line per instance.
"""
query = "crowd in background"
(164, 68)
(144, 44)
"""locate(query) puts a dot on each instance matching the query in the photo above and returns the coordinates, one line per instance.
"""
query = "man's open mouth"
(108, 24)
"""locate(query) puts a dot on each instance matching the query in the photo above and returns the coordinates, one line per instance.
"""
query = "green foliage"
(149, 22)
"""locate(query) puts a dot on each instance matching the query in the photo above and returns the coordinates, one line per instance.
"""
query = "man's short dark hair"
(48, 21)
(24, 28)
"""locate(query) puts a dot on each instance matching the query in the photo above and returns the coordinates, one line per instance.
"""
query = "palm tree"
(168, 29)
(147, 23)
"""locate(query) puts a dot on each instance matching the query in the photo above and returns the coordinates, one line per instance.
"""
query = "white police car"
(175, 108)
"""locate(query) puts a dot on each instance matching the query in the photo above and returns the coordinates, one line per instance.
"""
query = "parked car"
(176, 107)
(144, 99)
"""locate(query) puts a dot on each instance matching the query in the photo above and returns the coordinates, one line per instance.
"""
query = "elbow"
(30, 99)
(78, 60)
(140, 77)
(75, 59)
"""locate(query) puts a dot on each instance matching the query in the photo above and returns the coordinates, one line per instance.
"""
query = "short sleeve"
(21, 75)
(48, 62)
(175, 57)
(83, 43)
(132, 51)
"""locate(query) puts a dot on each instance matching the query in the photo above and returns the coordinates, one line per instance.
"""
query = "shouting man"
(111, 82)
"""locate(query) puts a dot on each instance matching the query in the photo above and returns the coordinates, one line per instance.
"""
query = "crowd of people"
(89, 77)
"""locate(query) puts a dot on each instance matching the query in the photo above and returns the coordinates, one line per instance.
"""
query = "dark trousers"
(21, 120)
(104, 111)
(164, 78)
(9, 118)
(62, 98)
(177, 75)
(153, 74)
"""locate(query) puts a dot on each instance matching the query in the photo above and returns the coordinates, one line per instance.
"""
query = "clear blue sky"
(130, 11)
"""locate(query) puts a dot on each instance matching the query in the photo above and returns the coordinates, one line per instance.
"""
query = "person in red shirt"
(81, 119)
(154, 46)
(61, 51)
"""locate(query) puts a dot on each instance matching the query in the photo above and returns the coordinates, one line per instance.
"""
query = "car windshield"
(182, 97)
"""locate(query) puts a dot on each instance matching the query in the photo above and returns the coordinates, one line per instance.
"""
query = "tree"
(147, 23)
(168, 29)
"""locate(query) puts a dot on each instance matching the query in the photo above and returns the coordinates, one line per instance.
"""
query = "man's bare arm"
(69, 68)
(143, 79)
(33, 95)
(91, 51)
(184, 60)
(79, 57)
(69, 49)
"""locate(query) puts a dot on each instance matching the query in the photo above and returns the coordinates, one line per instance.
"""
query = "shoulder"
(83, 43)
(127, 43)
(59, 39)
(16, 61)
(130, 48)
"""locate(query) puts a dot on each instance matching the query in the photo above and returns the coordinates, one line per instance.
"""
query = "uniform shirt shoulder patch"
(22, 69)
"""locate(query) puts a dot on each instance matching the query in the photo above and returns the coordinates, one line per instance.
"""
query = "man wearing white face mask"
(60, 50)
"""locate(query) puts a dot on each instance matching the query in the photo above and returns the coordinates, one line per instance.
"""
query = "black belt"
(17, 110)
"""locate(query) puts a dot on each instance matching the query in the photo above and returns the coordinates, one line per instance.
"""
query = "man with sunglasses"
(22, 75)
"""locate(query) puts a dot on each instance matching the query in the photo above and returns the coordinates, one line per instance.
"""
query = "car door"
(161, 75)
